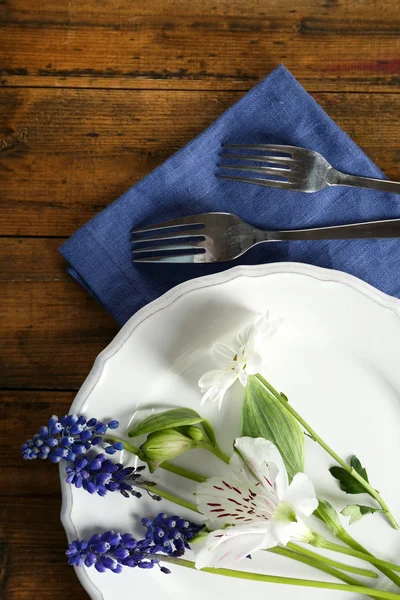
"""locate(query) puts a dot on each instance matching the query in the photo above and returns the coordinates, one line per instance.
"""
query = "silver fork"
(217, 237)
(300, 170)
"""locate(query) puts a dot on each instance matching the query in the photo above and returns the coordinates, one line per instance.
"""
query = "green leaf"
(177, 417)
(346, 480)
(357, 466)
(264, 416)
(357, 511)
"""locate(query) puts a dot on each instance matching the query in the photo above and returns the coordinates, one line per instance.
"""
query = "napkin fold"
(277, 110)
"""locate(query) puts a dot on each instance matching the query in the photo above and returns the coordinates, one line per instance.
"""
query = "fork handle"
(338, 178)
(371, 229)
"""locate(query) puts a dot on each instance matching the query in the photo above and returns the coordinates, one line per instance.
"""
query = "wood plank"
(37, 571)
(50, 334)
(32, 259)
(51, 329)
(103, 13)
(327, 45)
(32, 550)
(66, 154)
(23, 522)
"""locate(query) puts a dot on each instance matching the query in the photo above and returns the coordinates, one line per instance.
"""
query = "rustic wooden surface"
(93, 95)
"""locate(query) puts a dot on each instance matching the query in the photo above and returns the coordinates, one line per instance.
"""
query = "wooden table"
(93, 95)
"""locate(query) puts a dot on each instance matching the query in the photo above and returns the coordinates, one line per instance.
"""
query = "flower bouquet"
(262, 502)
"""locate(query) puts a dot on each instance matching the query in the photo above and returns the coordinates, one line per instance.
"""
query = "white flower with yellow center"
(236, 363)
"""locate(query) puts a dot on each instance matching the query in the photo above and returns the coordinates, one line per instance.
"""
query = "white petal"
(243, 378)
(258, 331)
(274, 326)
(254, 363)
(210, 378)
(211, 395)
(220, 500)
(228, 379)
(220, 398)
(217, 391)
(225, 547)
(300, 532)
(232, 500)
(265, 462)
(240, 340)
(253, 334)
(223, 354)
(263, 328)
(301, 495)
(282, 531)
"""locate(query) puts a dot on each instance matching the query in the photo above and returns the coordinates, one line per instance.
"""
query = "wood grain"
(32, 260)
(66, 154)
(90, 145)
(21, 521)
(50, 334)
(37, 570)
(94, 94)
(326, 44)
(103, 13)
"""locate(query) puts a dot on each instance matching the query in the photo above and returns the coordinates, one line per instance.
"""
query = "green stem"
(183, 472)
(346, 538)
(327, 514)
(165, 465)
(167, 496)
(216, 450)
(358, 589)
(329, 561)
(294, 552)
(314, 563)
(370, 490)
(321, 543)
(342, 535)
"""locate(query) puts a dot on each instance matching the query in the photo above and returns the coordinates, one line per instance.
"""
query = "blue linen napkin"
(278, 110)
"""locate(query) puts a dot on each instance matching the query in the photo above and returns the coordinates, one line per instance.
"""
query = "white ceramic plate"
(337, 358)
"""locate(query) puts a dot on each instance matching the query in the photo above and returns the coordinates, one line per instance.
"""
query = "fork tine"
(263, 170)
(275, 160)
(167, 248)
(266, 147)
(182, 222)
(257, 181)
(175, 235)
(175, 257)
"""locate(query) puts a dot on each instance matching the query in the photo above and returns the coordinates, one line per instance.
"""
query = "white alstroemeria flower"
(253, 507)
(243, 359)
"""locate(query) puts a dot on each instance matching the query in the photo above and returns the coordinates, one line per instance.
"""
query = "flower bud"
(165, 445)
(195, 433)
(329, 516)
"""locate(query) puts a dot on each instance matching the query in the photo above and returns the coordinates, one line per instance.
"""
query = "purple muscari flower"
(170, 534)
(99, 475)
(62, 439)
(112, 551)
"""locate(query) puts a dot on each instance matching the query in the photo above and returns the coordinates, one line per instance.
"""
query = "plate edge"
(165, 301)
